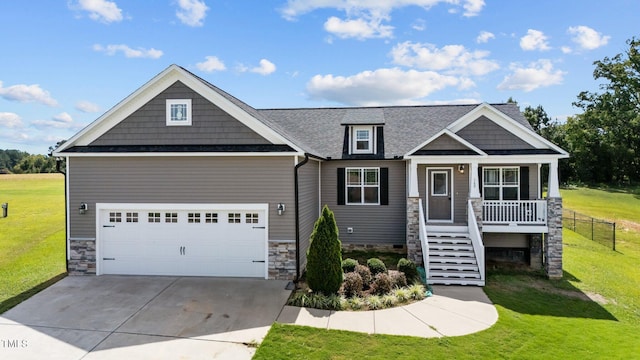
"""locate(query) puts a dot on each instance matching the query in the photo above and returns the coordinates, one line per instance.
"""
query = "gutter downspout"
(66, 215)
(296, 200)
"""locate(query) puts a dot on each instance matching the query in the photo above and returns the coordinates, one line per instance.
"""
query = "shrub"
(349, 265)
(376, 266)
(402, 294)
(324, 257)
(389, 300)
(417, 291)
(374, 302)
(352, 284)
(356, 303)
(316, 301)
(409, 269)
(398, 279)
(365, 274)
(381, 284)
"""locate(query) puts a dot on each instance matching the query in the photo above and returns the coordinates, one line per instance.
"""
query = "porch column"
(554, 184)
(475, 182)
(413, 179)
(553, 239)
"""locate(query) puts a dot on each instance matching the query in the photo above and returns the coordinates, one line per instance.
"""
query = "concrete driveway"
(143, 317)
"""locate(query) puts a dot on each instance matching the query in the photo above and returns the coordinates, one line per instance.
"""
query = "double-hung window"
(362, 140)
(363, 186)
(501, 183)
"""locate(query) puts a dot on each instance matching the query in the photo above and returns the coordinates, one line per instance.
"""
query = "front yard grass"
(32, 246)
(592, 313)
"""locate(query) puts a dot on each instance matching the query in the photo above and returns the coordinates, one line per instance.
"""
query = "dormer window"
(178, 112)
(362, 140)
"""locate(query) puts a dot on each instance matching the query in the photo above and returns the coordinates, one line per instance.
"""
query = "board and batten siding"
(197, 180)
(487, 135)
(309, 203)
(210, 124)
(460, 190)
(372, 224)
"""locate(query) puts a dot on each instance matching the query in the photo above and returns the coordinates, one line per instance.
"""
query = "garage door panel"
(196, 242)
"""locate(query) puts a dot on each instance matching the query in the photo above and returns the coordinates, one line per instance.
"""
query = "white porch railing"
(476, 239)
(424, 242)
(519, 212)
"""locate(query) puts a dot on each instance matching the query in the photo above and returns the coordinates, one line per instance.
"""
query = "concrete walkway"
(451, 311)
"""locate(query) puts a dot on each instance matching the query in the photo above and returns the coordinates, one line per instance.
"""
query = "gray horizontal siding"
(210, 125)
(372, 224)
(445, 142)
(309, 203)
(487, 135)
(198, 180)
(460, 190)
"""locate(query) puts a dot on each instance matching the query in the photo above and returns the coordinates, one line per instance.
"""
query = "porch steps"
(452, 260)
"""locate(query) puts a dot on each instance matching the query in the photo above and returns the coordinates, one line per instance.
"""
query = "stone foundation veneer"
(553, 243)
(282, 260)
(414, 248)
(375, 247)
(82, 257)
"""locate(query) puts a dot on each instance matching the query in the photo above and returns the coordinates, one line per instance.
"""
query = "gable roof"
(231, 105)
(320, 131)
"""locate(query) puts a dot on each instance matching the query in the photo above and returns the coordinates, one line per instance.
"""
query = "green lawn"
(594, 312)
(32, 244)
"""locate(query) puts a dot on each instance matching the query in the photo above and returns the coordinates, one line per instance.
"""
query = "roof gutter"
(296, 200)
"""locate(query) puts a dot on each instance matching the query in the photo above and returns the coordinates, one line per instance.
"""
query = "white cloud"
(419, 25)
(211, 64)
(87, 107)
(358, 28)
(10, 120)
(266, 67)
(538, 74)
(566, 50)
(484, 37)
(455, 59)
(587, 38)
(128, 52)
(27, 93)
(192, 12)
(60, 121)
(379, 87)
(365, 17)
(534, 40)
(100, 10)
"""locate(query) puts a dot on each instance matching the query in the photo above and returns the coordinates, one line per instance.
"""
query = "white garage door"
(223, 240)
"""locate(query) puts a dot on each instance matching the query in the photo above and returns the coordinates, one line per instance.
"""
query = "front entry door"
(440, 194)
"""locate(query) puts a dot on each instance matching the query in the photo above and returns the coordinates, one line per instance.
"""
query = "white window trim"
(187, 121)
(361, 186)
(501, 184)
(353, 141)
(433, 173)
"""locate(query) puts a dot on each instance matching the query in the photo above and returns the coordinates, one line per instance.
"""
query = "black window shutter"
(345, 141)
(341, 186)
(384, 186)
(379, 141)
(480, 183)
(524, 183)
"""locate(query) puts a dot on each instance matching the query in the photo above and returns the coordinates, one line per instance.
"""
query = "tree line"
(604, 140)
(21, 162)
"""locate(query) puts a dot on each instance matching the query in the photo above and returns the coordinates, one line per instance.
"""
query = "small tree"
(324, 257)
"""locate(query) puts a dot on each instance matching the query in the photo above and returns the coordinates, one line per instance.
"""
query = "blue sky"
(64, 63)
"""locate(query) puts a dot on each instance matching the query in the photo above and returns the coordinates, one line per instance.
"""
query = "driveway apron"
(143, 317)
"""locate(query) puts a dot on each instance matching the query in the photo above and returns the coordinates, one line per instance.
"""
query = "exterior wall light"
(281, 208)
(461, 168)
(84, 207)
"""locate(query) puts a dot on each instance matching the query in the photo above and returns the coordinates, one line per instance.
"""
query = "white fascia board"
(185, 154)
(179, 206)
(453, 136)
(525, 134)
(486, 159)
(152, 89)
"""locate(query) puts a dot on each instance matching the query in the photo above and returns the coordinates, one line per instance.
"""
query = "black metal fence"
(601, 231)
